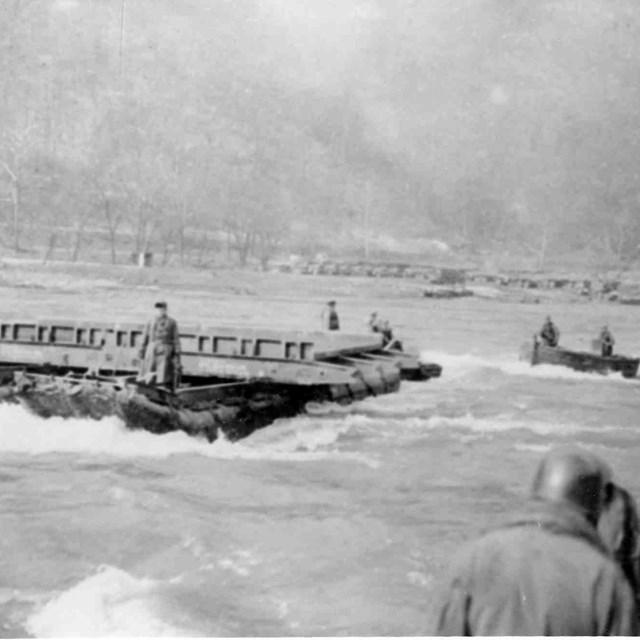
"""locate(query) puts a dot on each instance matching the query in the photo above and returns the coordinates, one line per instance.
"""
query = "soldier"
(387, 334)
(546, 572)
(606, 341)
(550, 334)
(160, 349)
(388, 341)
(619, 528)
(330, 320)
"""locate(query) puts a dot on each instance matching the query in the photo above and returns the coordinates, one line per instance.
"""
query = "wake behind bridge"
(233, 379)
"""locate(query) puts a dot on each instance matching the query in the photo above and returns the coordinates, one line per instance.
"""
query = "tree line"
(244, 130)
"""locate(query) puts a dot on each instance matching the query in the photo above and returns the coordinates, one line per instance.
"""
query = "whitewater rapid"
(316, 525)
(110, 603)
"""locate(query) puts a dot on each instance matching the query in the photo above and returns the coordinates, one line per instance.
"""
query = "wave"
(412, 426)
(110, 603)
(533, 448)
(414, 397)
(302, 438)
(462, 365)
(294, 439)
(498, 424)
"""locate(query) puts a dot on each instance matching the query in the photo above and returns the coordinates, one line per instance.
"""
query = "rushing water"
(332, 525)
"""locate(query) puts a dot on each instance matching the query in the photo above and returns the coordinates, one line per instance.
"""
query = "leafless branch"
(11, 174)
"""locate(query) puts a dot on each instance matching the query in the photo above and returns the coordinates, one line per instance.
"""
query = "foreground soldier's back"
(547, 572)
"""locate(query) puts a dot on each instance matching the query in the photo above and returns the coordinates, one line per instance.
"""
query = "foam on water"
(298, 439)
(110, 603)
(414, 397)
(414, 425)
(240, 562)
(498, 424)
(22, 432)
(534, 448)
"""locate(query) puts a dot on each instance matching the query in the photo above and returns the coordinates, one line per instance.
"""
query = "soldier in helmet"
(550, 334)
(160, 350)
(547, 571)
(374, 322)
(606, 341)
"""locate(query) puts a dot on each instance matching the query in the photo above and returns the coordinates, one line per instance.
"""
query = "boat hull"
(233, 410)
(537, 353)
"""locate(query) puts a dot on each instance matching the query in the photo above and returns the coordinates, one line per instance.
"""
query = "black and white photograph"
(320, 318)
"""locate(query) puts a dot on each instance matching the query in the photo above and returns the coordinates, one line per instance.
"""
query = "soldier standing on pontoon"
(330, 319)
(374, 322)
(160, 349)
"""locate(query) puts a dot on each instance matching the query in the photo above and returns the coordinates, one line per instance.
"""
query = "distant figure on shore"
(550, 334)
(330, 319)
(546, 571)
(619, 528)
(606, 341)
(160, 349)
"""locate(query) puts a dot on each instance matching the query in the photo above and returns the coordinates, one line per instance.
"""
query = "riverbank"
(80, 276)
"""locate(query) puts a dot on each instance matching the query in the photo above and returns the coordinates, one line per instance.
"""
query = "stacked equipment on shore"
(233, 380)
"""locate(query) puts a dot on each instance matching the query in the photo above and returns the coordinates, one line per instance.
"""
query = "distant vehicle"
(446, 292)
(450, 276)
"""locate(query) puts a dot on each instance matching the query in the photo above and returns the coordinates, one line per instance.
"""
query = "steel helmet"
(575, 477)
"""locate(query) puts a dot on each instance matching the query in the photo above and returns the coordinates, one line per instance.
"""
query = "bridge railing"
(123, 336)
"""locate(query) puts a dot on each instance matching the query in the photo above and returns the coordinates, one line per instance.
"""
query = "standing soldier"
(330, 320)
(547, 571)
(160, 349)
(606, 341)
(550, 334)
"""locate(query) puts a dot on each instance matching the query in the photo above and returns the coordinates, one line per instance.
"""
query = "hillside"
(321, 125)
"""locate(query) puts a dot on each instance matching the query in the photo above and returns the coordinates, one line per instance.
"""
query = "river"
(342, 524)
